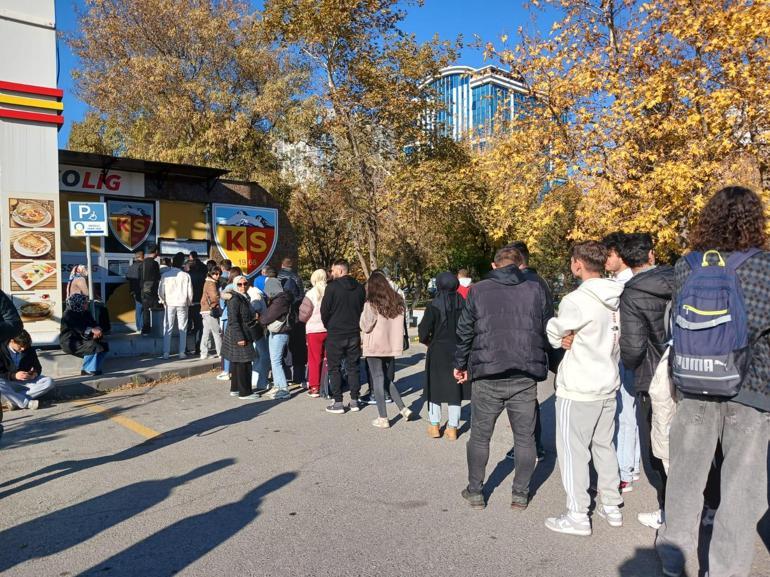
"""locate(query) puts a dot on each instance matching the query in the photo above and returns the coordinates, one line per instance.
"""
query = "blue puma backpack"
(711, 350)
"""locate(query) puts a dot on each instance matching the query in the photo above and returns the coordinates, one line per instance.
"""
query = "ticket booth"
(179, 208)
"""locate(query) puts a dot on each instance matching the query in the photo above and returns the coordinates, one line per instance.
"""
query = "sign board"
(88, 218)
(246, 235)
(171, 246)
(98, 181)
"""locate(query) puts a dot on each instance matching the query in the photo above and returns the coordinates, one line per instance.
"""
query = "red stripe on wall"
(31, 116)
(30, 89)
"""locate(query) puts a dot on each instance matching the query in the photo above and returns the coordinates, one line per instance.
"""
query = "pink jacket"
(381, 337)
(310, 313)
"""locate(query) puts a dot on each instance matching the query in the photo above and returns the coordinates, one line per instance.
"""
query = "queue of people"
(660, 368)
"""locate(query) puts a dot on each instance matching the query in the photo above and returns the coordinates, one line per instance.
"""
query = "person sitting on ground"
(438, 330)
(21, 378)
(81, 336)
(382, 326)
(586, 386)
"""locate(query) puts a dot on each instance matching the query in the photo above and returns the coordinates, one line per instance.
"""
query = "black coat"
(134, 278)
(198, 273)
(27, 362)
(10, 321)
(239, 316)
(643, 334)
(440, 384)
(342, 306)
(502, 327)
(75, 337)
(150, 280)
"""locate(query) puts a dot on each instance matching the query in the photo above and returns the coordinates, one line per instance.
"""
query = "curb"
(102, 384)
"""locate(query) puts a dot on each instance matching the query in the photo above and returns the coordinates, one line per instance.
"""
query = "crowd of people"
(660, 368)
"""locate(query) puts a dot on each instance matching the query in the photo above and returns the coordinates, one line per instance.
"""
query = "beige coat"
(663, 400)
(381, 337)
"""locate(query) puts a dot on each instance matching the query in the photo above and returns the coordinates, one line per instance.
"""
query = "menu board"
(33, 257)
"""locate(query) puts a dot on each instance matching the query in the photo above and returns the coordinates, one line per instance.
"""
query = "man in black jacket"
(21, 379)
(341, 310)
(10, 325)
(297, 349)
(134, 278)
(150, 278)
(198, 272)
(502, 349)
(643, 338)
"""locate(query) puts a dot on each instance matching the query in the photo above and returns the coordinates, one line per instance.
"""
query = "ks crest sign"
(245, 235)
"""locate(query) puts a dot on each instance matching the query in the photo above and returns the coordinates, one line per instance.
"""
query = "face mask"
(465, 281)
(225, 274)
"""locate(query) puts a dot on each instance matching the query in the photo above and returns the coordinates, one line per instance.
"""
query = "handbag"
(255, 330)
(216, 310)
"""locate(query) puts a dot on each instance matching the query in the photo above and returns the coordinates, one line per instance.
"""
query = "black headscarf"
(447, 301)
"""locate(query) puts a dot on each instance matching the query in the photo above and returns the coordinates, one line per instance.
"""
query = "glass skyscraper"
(474, 99)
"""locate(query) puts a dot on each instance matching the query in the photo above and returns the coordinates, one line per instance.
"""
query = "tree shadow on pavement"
(67, 527)
(175, 547)
(204, 426)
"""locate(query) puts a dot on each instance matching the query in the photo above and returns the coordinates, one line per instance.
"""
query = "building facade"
(473, 100)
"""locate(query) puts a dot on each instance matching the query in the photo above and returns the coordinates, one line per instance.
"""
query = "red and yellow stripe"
(40, 109)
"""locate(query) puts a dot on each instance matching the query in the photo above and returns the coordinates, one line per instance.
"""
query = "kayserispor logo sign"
(245, 235)
(130, 222)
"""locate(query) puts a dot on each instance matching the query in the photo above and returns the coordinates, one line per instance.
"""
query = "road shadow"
(67, 527)
(644, 563)
(175, 547)
(38, 427)
(209, 425)
(410, 361)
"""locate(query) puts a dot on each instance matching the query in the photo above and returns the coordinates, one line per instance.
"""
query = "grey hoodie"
(589, 371)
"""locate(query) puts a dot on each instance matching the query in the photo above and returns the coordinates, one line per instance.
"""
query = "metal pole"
(88, 266)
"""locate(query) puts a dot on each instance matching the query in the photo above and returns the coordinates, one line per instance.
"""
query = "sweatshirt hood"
(507, 275)
(658, 281)
(347, 282)
(605, 290)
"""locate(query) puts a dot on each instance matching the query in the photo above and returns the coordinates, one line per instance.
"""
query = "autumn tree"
(370, 83)
(650, 106)
(183, 81)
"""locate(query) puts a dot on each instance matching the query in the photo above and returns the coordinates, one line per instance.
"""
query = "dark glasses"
(243, 284)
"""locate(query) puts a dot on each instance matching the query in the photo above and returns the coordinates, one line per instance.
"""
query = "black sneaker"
(509, 454)
(475, 500)
(540, 454)
(336, 408)
(519, 501)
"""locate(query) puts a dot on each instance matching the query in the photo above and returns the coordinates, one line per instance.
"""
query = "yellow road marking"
(30, 102)
(129, 424)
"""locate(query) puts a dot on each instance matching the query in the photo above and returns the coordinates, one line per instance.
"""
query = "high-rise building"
(473, 99)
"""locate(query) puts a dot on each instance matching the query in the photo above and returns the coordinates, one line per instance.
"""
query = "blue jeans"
(93, 363)
(453, 414)
(225, 362)
(627, 430)
(261, 365)
(278, 344)
(138, 315)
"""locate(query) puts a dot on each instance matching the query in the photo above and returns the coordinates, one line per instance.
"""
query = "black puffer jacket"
(642, 326)
(239, 316)
(502, 327)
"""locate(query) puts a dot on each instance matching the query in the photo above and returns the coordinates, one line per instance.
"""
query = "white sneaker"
(223, 376)
(381, 423)
(652, 520)
(612, 514)
(204, 356)
(233, 393)
(34, 405)
(182, 355)
(569, 525)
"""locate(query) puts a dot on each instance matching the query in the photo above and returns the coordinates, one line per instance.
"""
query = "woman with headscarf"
(237, 346)
(438, 330)
(278, 322)
(315, 331)
(81, 336)
(78, 284)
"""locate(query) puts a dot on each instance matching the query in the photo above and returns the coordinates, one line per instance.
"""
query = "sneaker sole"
(335, 411)
(575, 532)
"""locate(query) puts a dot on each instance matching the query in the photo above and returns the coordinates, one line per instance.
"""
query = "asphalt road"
(280, 489)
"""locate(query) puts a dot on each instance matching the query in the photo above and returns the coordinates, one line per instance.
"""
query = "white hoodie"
(175, 289)
(589, 370)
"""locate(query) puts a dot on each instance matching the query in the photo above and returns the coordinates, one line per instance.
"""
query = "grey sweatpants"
(695, 430)
(585, 429)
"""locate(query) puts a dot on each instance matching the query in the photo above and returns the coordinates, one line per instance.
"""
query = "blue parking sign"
(88, 218)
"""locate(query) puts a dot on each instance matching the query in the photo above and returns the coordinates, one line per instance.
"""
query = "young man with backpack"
(643, 339)
(721, 368)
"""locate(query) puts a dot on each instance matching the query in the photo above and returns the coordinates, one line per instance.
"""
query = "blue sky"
(487, 18)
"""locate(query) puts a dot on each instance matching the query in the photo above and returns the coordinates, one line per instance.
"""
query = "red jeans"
(315, 359)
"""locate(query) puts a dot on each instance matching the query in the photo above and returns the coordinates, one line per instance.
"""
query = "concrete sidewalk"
(122, 371)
